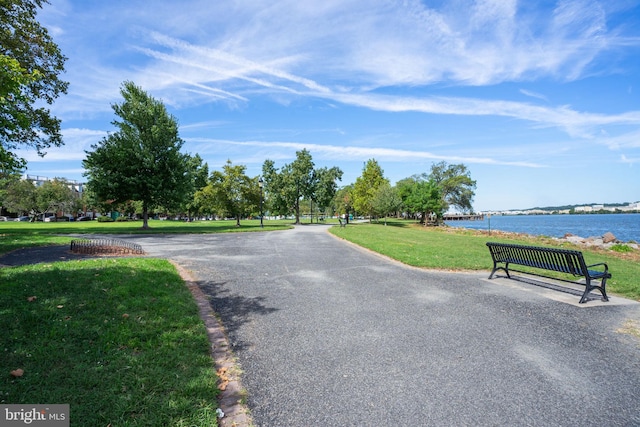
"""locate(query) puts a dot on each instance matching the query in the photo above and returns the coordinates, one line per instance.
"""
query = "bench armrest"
(606, 267)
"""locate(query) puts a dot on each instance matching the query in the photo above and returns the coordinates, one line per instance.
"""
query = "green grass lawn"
(450, 248)
(120, 340)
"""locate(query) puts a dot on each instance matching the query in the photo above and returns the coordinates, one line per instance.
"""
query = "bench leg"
(603, 289)
(589, 287)
(496, 268)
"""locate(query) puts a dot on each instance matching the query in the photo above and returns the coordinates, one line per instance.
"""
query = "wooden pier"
(462, 217)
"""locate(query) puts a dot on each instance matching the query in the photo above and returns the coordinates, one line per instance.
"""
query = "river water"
(626, 227)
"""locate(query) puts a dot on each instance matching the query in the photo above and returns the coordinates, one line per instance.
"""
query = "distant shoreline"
(617, 212)
(625, 228)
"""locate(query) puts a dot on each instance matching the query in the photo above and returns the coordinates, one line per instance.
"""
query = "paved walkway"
(329, 334)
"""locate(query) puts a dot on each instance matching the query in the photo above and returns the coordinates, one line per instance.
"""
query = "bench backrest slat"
(561, 260)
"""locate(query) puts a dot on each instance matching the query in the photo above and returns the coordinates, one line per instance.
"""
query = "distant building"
(78, 187)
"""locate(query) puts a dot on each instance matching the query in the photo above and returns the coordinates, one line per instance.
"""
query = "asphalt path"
(329, 334)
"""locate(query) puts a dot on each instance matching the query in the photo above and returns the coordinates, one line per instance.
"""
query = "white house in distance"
(39, 180)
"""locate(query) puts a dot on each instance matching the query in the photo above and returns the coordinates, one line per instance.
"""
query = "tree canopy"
(230, 192)
(142, 159)
(30, 65)
(285, 187)
(366, 186)
(199, 172)
(22, 196)
(425, 198)
(456, 185)
(325, 186)
(386, 200)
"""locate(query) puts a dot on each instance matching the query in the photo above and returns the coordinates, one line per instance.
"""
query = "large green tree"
(343, 201)
(325, 186)
(230, 192)
(456, 185)
(142, 160)
(30, 65)
(386, 200)
(199, 172)
(7, 177)
(285, 187)
(425, 198)
(53, 196)
(20, 197)
(301, 177)
(366, 186)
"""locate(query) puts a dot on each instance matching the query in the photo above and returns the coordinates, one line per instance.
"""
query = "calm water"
(625, 227)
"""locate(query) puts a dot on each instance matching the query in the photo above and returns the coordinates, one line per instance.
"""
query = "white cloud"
(573, 122)
(76, 141)
(354, 153)
(534, 94)
(340, 50)
(629, 140)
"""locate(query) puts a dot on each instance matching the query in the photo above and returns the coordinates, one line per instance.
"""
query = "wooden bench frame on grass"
(552, 259)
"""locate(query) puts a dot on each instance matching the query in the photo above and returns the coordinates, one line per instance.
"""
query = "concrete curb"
(232, 394)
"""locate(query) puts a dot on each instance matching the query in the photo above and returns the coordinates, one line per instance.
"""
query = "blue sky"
(540, 100)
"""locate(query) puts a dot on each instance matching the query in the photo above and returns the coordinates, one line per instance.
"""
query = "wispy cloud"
(628, 140)
(340, 51)
(76, 142)
(226, 70)
(575, 123)
(534, 94)
(362, 153)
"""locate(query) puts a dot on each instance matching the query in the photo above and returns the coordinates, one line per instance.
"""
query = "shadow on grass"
(394, 223)
(234, 310)
(135, 227)
(40, 254)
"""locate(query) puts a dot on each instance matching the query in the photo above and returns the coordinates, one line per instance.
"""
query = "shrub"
(621, 248)
(105, 219)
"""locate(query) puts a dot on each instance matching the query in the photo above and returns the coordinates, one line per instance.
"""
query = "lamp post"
(261, 184)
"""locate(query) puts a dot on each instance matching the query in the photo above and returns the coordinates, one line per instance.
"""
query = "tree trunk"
(237, 220)
(145, 218)
(298, 211)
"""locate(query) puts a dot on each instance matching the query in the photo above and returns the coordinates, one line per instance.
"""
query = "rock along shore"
(606, 241)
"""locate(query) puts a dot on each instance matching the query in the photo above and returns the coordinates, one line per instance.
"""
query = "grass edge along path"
(119, 340)
(17, 235)
(449, 248)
